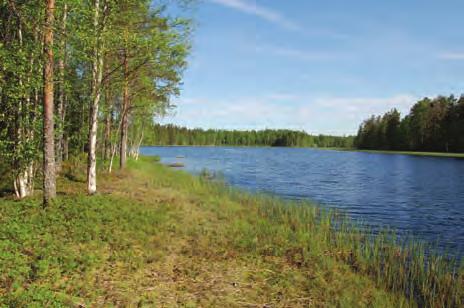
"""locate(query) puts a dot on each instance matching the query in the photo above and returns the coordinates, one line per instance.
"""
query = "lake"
(423, 196)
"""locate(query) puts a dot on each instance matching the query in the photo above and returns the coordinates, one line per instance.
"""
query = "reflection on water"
(419, 195)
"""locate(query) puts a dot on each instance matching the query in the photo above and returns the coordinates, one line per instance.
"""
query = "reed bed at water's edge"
(403, 265)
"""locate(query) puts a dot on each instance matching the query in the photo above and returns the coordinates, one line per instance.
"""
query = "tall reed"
(401, 264)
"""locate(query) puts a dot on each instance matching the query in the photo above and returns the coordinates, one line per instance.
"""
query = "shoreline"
(409, 153)
(152, 232)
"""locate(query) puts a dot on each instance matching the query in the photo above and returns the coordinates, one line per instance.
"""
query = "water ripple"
(424, 197)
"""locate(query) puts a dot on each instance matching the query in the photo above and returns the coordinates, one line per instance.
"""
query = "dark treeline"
(176, 135)
(431, 125)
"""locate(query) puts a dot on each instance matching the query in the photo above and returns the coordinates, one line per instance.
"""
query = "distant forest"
(431, 125)
(175, 135)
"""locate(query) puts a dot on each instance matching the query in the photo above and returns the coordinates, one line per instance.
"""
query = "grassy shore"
(414, 153)
(158, 237)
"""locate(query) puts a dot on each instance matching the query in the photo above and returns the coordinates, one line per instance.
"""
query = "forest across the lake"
(435, 125)
(432, 125)
(157, 134)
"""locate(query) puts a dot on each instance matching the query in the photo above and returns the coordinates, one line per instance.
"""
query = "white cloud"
(259, 11)
(373, 105)
(346, 113)
(298, 54)
(452, 56)
(282, 97)
(331, 115)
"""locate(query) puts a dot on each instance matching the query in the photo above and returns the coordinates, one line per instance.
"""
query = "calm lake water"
(419, 195)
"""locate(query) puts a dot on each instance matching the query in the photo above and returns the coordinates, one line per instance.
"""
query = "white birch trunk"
(61, 91)
(114, 148)
(137, 151)
(97, 75)
(23, 181)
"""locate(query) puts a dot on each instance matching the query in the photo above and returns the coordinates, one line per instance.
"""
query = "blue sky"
(321, 66)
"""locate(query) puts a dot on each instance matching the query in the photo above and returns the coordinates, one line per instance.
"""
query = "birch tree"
(112, 61)
(61, 110)
(20, 83)
(153, 55)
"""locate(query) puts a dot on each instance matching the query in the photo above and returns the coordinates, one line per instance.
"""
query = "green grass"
(159, 237)
(414, 153)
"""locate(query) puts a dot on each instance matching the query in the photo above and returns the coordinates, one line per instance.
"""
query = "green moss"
(160, 237)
